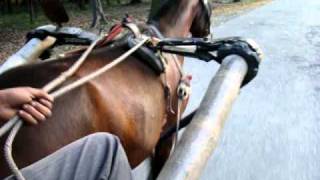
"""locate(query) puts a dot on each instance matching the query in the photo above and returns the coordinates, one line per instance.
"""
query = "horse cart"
(239, 61)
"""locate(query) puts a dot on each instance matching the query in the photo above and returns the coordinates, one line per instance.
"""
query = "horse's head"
(201, 23)
(175, 15)
(55, 11)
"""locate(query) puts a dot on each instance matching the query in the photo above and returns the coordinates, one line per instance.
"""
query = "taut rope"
(54, 83)
(17, 123)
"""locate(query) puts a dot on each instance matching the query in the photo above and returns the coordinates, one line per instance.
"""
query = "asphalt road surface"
(273, 132)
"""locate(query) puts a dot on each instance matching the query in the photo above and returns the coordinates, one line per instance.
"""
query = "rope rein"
(53, 84)
(183, 91)
(17, 123)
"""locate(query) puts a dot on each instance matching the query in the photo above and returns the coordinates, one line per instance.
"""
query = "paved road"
(273, 132)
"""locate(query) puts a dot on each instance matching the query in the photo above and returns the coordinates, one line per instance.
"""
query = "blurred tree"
(54, 11)
(109, 2)
(155, 5)
(135, 1)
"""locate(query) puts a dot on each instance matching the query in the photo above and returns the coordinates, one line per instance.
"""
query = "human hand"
(32, 105)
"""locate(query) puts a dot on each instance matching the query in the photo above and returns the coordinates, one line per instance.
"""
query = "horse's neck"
(177, 22)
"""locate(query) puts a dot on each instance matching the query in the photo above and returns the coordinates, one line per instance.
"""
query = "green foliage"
(20, 21)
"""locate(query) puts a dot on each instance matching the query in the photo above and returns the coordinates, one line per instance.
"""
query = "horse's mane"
(165, 7)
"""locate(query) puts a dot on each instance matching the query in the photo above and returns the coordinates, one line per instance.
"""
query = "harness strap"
(155, 31)
(183, 93)
(114, 32)
(18, 123)
(133, 28)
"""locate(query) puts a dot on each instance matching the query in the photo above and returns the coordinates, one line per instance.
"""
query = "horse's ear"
(210, 8)
(54, 11)
(202, 22)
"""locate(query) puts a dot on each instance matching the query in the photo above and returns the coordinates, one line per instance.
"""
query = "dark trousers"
(98, 156)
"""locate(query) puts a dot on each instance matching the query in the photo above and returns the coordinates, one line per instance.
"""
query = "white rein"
(15, 123)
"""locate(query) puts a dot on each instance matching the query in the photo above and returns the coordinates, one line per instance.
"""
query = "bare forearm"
(33, 105)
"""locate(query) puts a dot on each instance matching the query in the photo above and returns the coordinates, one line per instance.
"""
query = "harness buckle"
(184, 88)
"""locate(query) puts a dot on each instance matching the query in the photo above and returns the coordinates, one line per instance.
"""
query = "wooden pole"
(29, 53)
(202, 135)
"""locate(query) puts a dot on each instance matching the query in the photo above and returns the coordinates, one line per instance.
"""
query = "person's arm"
(32, 105)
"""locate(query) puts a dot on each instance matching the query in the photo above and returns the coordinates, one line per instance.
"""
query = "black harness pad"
(148, 56)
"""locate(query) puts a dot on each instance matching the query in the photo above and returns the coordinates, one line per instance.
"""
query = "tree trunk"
(2, 5)
(135, 1)
(155, 5)
(9, 6)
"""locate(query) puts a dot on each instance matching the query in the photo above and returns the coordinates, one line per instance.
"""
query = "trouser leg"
(98, 156)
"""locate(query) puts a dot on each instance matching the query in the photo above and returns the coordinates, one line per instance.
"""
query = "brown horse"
(128, 101)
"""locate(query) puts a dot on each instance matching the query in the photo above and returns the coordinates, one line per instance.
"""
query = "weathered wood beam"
(202, 135)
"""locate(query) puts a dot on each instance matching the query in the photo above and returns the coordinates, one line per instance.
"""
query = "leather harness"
(126, 32)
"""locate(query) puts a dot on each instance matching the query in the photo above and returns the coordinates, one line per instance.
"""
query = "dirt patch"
(224, 9)
(13, 34)
(225, 12)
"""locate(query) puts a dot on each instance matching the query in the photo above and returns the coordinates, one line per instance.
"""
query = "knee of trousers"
(103, 136)
(103, 140)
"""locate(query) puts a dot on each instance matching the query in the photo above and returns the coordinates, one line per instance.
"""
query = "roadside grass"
(20, 21)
